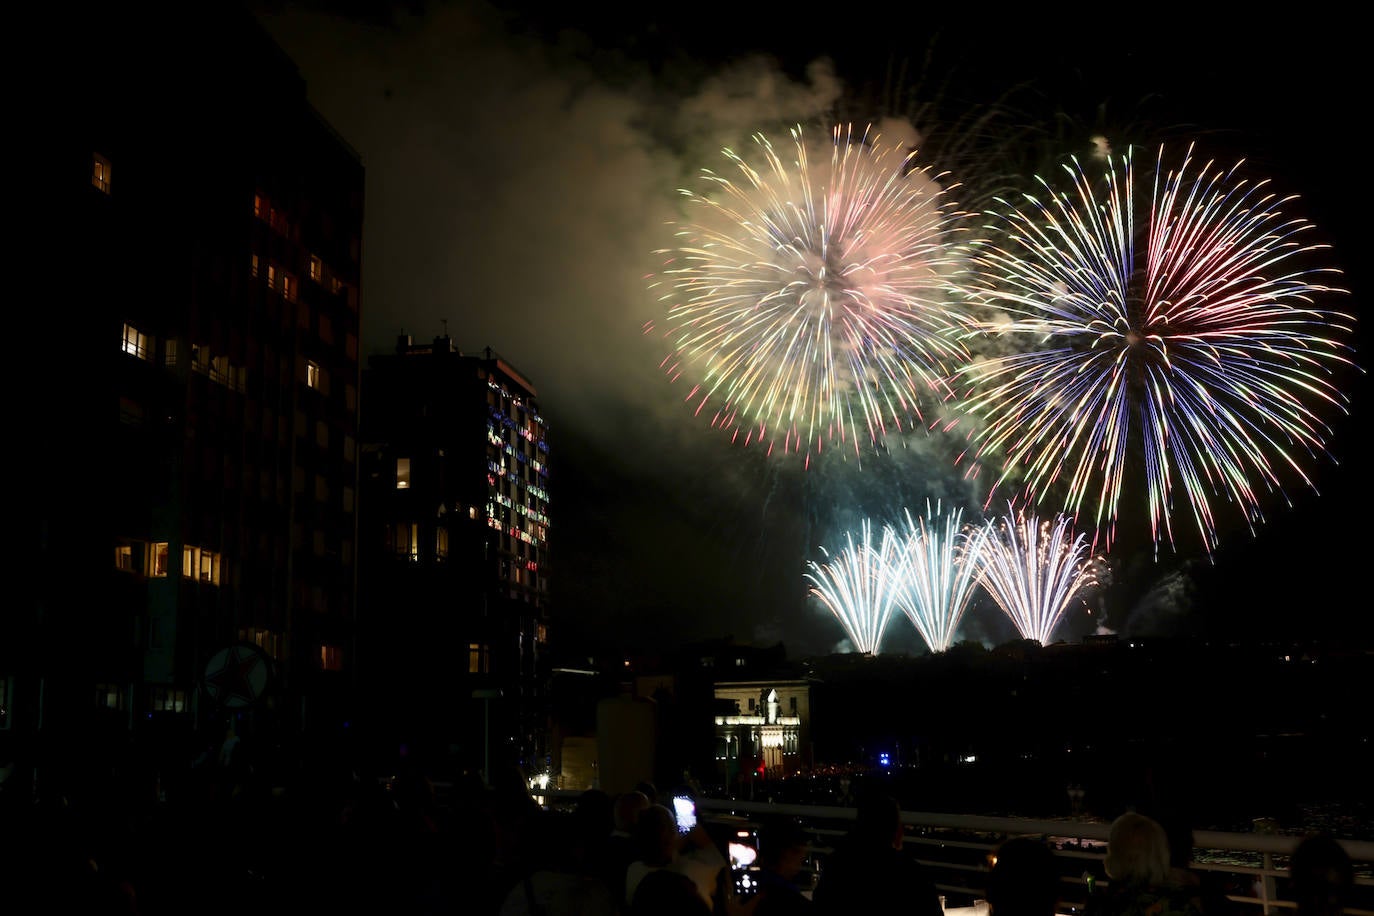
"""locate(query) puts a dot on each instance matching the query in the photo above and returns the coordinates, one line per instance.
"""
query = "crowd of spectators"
(240, 832)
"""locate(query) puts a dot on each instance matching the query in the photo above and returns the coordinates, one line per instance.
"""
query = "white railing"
(955, 849)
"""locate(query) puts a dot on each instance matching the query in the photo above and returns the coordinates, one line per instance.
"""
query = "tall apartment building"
(191, 430)
(454, 560)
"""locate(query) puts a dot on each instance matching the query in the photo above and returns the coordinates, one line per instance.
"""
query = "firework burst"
(810, 301)
(857, 587)
(1034, 569)
(936, 569)
(1187, 350)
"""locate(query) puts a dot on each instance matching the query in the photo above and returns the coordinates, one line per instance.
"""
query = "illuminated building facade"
(455, 584)
(768, 732)
(194, 470)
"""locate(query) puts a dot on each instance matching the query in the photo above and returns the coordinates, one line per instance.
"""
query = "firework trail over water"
(1187, 350)
(810, 300)
(1034, 569)
(857, 587)
(936, 568)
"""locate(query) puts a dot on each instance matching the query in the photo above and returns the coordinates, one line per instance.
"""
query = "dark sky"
(521, 168)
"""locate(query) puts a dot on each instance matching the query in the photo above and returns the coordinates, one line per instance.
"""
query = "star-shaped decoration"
(236, 676)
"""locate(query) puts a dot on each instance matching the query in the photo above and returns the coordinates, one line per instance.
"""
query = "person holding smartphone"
(664, 842)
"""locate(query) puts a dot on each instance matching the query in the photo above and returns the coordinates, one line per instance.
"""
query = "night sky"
(521, 168)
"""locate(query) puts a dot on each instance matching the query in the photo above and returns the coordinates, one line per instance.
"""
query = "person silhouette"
(1024, 880)
(868, 872)
(1321, 875)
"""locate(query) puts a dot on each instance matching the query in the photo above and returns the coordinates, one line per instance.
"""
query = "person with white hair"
(1138, 874)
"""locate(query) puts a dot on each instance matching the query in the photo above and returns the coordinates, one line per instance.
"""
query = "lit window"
(331, 658)
(166, 699)
(312, 374)
(316, 268)
(477, 658)
(269, 642)
(201, 565)
(403, 473)
(159, 559)
(169, 353)
(288, 287)
(253, 265)
(124, 557)
(209, 567)
(408, 540)
(441, 543)
(259, 205)
(100, 173)
(135, 342)
(109, 696)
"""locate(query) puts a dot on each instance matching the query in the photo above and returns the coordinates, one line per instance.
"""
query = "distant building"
(189, 423)
(455, 559)
(763, 727)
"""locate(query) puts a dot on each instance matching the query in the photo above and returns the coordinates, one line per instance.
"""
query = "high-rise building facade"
(194, 464)
(454, 535)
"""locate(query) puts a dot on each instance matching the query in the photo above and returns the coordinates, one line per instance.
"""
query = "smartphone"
(685, 810)
(746, 881)
(743, 870)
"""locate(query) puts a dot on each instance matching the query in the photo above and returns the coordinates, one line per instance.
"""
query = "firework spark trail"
(937, 571)
(812, 301)
(1034, 569)
(1206, 356)
(857, 587)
